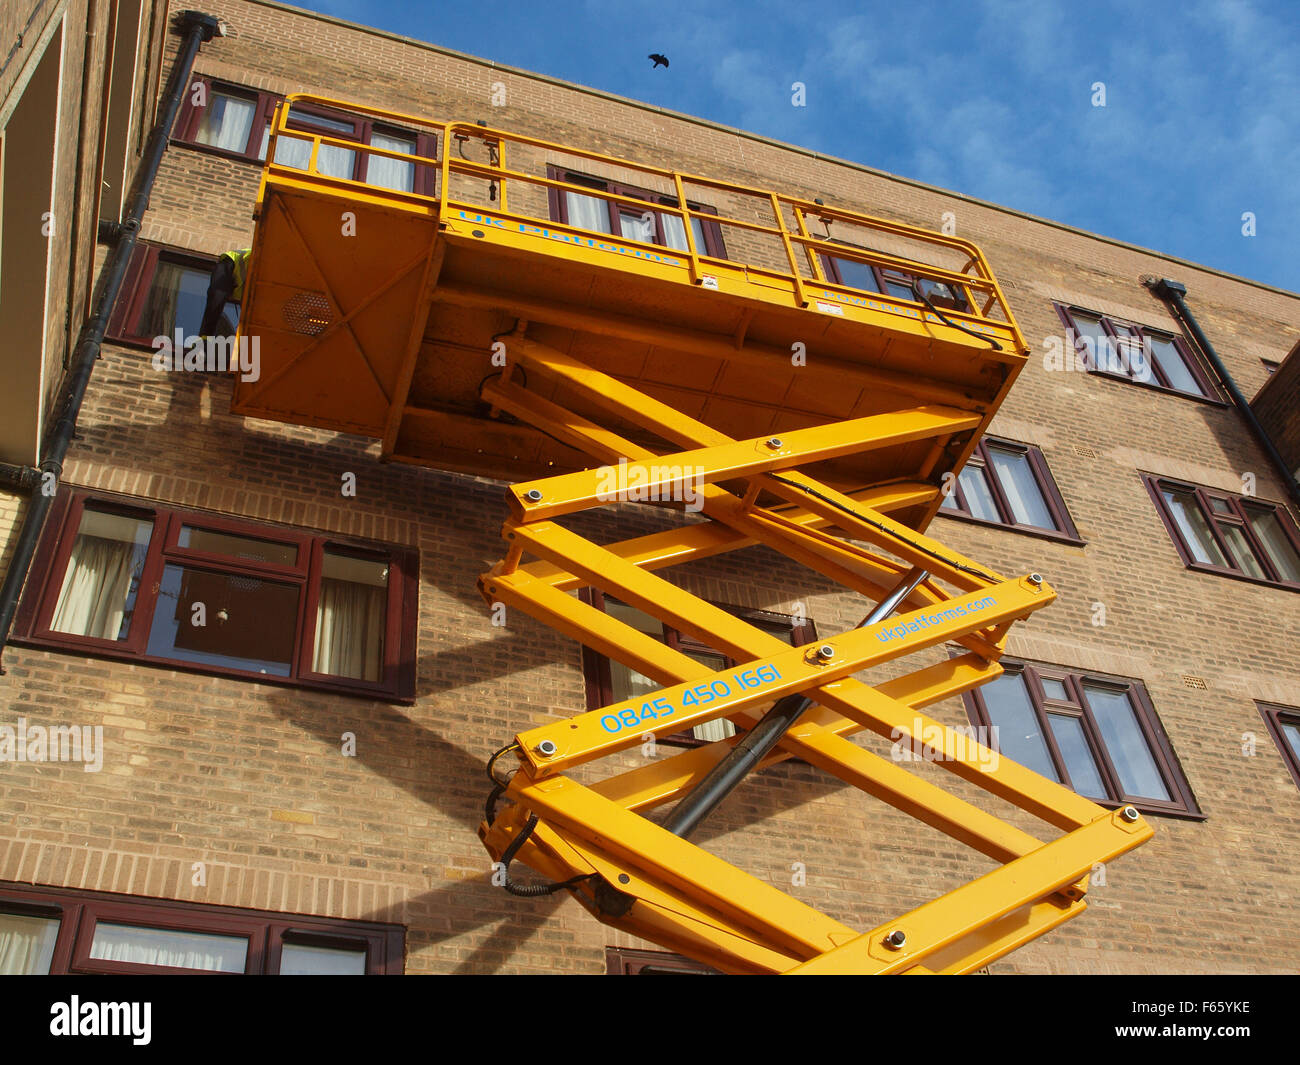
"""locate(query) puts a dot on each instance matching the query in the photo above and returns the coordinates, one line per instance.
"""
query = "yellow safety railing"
(974, 281)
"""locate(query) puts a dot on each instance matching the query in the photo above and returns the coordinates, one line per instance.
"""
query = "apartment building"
(254, 594)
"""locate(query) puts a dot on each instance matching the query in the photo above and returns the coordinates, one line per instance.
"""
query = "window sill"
(1054, 535)
(1146, 810)
(107, 654)
(1238, 576)
(223, 153)
(1212, 401)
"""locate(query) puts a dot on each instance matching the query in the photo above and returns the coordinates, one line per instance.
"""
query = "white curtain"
(26, 944)
(1279, 548)
(350, 630)
(387, 172)
(587, 212)
(227, 123)
(1196, 534)
(92, 601)
(182, 950)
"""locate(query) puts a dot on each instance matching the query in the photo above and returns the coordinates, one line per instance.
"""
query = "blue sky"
(1201, 122)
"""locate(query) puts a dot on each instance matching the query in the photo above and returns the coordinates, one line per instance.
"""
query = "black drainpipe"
(1172, 293)
(197, 28)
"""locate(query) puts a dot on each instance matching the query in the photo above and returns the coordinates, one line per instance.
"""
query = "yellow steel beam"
(572, 492)
(1027, 880)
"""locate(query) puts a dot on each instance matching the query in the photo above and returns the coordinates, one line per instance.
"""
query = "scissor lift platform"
(698, 338)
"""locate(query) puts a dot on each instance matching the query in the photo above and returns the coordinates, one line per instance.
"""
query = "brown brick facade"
(249, 779)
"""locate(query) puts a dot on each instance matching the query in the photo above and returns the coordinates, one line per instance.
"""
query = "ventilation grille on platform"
(308, 313)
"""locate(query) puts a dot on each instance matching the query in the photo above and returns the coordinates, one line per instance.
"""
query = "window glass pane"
(1220, 506)
(266, 140)
(1240, 548)
(98, 593)
(1290, 731)
(299, 959)
(176, 299)
(159, 946)
(1126, 744)
(637, 225)
(351, 616)
(26, 944)
(587, 212)
(1055, 689)
(212, 542)
(1019, 734)
(1170, 360)
(979, 497)
(336, 126)
(1268, 528)
(1192, 525)
(943, 295)
(1079, 762)
(248, 623)
(335, 161)
(226, 122)
(291, 151)
(1021, 488)
(1095, 340)
(626, 682)
(391, 173)
(720, 728)
(898, 285)
(858, 275)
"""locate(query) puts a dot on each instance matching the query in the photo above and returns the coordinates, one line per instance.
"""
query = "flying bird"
(660, 60)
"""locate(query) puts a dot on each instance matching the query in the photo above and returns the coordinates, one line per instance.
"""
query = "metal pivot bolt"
(1129, 814)
(533, 495)
(546, 748)
(1035, 578)
(896, 939)
(825, 652)
(774, 442)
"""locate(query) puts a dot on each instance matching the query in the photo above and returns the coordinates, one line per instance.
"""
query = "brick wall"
(249, 778)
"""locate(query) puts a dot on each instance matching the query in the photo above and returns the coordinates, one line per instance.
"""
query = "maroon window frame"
(397, 683)
(896, 283)
(361, 130)
(599, 682)
(1275, 718)
(980, 464)
(634, 197)
(1183, 802)
(191, 117)
(124, 324)
(1236, 514)
(1122, 334)
(78, 913)
(625, 961)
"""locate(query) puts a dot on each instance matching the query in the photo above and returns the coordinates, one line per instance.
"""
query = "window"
(1284, 726)
(55, 930)
(357, 164)
(1004, 483)
(226, 118)
(612, 682)
(165, 290)
(236, 121)
(1136, 353)
(631, 219)
(1096, 734)
(1238, 536)
(129, 579)
(623, 961)
(897, 283)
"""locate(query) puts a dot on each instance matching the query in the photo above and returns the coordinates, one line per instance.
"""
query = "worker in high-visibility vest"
(227, 284)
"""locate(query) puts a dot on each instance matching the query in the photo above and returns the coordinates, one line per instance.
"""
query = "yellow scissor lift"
(678, 338)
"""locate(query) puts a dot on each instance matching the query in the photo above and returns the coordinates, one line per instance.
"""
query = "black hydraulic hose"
(532, 891)
(923, 298)
(198, 28)
(1172, 293)
(722, 779)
